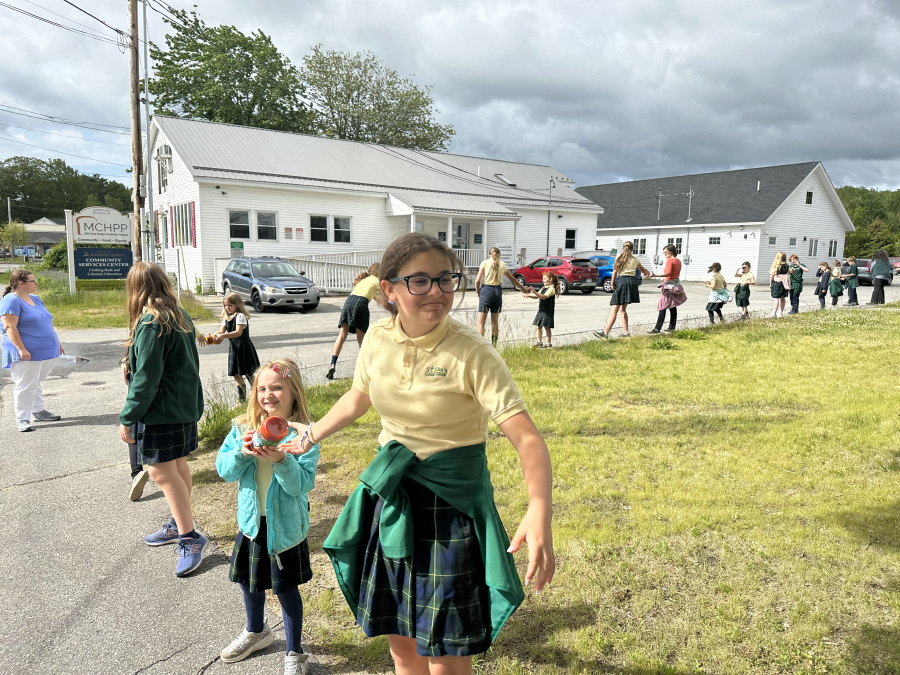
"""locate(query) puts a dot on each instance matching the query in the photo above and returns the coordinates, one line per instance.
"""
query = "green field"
(725, 502)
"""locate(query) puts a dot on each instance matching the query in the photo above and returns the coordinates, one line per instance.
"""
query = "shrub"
(690, 334)
(662, 343)
(57, 258)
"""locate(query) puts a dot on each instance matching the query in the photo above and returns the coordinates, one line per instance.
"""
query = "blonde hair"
(371, 272)
(149, 290)
(780, 259)
(255, 414)
(234, 299)
(624, 257)
(496, 260)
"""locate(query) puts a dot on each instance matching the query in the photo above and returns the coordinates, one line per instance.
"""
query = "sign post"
(98, 225)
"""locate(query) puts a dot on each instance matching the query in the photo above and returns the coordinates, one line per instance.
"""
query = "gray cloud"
(600, 90)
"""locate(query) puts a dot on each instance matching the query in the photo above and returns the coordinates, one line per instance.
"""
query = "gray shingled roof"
(719, 197)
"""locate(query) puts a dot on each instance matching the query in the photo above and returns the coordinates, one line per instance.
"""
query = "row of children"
(419, 551)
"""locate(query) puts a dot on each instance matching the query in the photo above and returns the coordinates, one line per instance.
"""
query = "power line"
(62, 120)
(120, 32)
(77, 138)
(93, 36)
(99, 161)
(77, 23)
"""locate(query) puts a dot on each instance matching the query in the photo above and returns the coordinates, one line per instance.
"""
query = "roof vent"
(505, 179)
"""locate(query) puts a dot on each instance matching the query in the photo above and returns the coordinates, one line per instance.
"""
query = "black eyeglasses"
(420, 284)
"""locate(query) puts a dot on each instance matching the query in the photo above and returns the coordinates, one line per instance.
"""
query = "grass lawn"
(93, 309)
(725, 502)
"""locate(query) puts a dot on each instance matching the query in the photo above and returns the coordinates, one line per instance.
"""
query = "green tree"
(57, 257)
(356, 96)
(876, 217)
(219, 74)
(13, 234)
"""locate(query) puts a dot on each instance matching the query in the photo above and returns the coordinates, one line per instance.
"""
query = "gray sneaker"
(24, 425)
(246, 643)
(296, 664)
(45, 416)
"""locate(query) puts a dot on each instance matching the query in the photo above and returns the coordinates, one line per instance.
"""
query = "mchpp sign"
(101, 225)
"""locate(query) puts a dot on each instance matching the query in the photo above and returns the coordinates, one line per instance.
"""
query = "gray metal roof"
(453, 204)
(719, 197)
(225, 151)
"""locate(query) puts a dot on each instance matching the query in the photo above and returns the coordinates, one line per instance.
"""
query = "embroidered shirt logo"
(432, 371)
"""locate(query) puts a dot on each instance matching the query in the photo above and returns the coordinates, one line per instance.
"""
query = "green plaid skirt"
(438, 596)
(836, 287)
(777, 290)
(160, 443)
(242, 357)
(355, 313)
(625, 292)
(543, 319)
(252, 565)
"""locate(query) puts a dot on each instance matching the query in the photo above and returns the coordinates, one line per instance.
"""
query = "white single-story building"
(45, 232)
(222, 190)
(727, 217)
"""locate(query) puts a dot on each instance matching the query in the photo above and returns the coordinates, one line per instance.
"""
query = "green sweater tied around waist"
(460, 477)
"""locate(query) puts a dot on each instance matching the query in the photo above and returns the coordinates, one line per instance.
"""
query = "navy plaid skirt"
(252, 565)
(160, 443)
(543, 319)
(625, 292)
(438, 596)
(242, 357)
(355, 313)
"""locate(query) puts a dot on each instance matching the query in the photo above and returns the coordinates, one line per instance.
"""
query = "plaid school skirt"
(355, 313)
(242, 357)
(252, 565)
(160, 443)
(438, 596)
(543, 319)
(625, 292)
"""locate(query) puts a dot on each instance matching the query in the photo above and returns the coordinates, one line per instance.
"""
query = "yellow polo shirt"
(367, 287)
(434, 392)
(492, 278)
(264, 472)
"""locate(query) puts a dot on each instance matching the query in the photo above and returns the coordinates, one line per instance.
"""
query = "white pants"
(27, 395)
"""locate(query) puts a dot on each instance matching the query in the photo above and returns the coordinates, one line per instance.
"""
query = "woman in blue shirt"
(29, 345)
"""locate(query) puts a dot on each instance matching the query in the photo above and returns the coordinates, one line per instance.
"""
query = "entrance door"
(460, 235)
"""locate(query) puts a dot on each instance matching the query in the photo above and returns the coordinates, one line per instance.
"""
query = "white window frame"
(318, 229)
(164, 228)
(334, 229)
(274, 226)
(809, 197)
(813, 248)
(182, 221)
(574, 239)
(832, 248)
(249, 225)
(677, 243)
(640, 246)
(773, 241)
(715, 241)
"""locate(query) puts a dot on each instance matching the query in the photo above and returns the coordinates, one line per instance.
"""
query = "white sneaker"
(137, 485)
(246, 643)
(296, 664)
(24, 425)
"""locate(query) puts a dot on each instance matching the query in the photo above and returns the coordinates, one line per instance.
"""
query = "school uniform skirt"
(355, 313)
(835, 287)
(742, 295)
(543, 319)
(252, 565)
(777, 290)
(242, 357)
(438, 596)
(159, 443)
(625, 292)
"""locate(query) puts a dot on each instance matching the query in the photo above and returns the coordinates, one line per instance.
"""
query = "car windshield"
(274, 269)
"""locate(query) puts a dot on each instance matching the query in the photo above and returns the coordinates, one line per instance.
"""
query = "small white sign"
(506, 254)
(102, 225)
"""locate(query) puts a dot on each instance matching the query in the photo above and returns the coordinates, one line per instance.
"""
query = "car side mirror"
(302, 273)
(245, 274)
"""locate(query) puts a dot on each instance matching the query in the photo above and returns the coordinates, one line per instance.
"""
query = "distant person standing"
(823, 273)
(489, 288)
(718, 293)
(625, 289)
(851, 281)
(836, 286)
(881, 275)
(671, 291)
(742, 289)
(29, 347)
(778, 274)
(796, 270)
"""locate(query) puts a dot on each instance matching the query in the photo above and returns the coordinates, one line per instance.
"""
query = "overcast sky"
(601, 91)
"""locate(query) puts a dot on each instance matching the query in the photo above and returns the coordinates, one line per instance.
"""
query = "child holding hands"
(546, 308)
(271, 551)
(242, 358)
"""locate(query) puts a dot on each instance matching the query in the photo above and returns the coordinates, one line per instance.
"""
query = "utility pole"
(149, 155)
(8, 211)
(136, 147)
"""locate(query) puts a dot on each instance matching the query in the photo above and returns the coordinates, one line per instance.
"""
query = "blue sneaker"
(167, 534)
(190, 554)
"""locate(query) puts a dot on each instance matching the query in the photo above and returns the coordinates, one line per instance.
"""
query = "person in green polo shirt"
(851, 281)
(796, 270)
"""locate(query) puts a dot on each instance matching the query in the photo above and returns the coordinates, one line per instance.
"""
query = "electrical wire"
(77, 138)
(93, 36)
(84, 11)
(62, 120)
(77, 23)
(39, 147)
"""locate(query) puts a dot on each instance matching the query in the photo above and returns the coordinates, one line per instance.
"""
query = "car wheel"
(563, 286)
(521, 279)
(256, 301)
(226, 289)
(587, 291)
(607, 285)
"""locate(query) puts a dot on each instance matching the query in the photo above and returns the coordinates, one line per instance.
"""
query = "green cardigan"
(460, 477)
(165, 376)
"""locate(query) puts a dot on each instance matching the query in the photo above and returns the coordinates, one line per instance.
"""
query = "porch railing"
(348, 257)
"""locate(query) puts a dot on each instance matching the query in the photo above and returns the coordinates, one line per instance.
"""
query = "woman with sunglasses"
(30, 346)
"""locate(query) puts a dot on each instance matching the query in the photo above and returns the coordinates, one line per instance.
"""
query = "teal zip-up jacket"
(287, 506)
(460, 477)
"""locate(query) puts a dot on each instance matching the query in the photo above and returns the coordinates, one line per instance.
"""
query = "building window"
(318, 228)
(809, 197)
(813, 248)
(162, 177)
(832, 248)
(772, 241)
(640, 246)
(164, 229)
(265, 226)
(792, 241)
(239, 224)
(181, 222)
(342, 230)
(676, 242)
(570, 238)
(715, 241)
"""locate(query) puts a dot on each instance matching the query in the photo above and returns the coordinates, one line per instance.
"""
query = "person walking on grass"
(419, 550)
(546, 308)
(671, 291)
(718, 293)
(489, 288)
(823, 273)
(796, 270)
(881, 275)
(355, 313)
(851, 281)
(778, 275)
(271, 551)
(836, 285)
(29, 347)
(242, 358)
(625, 289)
(742, 289)
(165, 395)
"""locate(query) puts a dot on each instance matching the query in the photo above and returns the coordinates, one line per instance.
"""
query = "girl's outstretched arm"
(349, 408)
(535, 527)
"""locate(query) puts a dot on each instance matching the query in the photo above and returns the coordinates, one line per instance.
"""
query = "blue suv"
(269, 282)
(603, 261)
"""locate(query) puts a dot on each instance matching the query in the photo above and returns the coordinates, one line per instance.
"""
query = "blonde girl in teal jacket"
(271, 551)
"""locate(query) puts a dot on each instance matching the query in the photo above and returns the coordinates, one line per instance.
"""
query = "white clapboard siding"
(532, 232)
